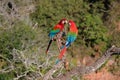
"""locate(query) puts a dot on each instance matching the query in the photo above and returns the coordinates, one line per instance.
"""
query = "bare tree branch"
(22, 75)
(9, 68)
(52, 71)
(59, 65)
(89, 69)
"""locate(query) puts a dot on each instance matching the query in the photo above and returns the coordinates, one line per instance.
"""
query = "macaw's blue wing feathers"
(70, 38)
(53, 33)
(68, 44)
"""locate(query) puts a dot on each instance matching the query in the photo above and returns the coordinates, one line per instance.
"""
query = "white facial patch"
(63, 22)
(69, 23)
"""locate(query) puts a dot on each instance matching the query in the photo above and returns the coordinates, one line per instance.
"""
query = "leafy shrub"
(88, 19)
(92, 30)
(7, 76)
(116, 39)
(15, 37)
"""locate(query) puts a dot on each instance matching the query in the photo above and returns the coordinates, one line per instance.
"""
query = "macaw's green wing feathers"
(72, 34)
(71, 37)
(53, 33)
(56, 29)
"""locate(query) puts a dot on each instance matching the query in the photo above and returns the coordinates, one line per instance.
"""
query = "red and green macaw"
(57, 29)
(71, 37)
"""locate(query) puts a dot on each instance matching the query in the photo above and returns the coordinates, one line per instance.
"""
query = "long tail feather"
(62, 53)
(48, 46)
(57, 61)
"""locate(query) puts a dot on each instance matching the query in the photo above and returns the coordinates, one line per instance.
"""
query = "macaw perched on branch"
(71, 37)
(57, 29)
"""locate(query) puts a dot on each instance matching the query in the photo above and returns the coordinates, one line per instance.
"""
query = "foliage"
(112, 22)
(16, 37)
(116, 39)
(92, 30)
(92, 17)
(7, 76)
(87, 17)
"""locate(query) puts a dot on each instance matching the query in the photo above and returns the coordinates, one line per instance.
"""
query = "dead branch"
(59, 65)
(88, 69)
(6, 70)
(22, 75)
(9, 68)
(52, 71)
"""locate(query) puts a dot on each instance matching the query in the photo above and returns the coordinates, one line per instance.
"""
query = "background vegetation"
(98, 22)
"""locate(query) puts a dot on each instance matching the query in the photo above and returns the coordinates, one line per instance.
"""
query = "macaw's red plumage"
(57, 29)
(71, 37)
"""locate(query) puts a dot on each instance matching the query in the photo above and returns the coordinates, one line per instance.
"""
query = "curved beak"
(66, 21)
